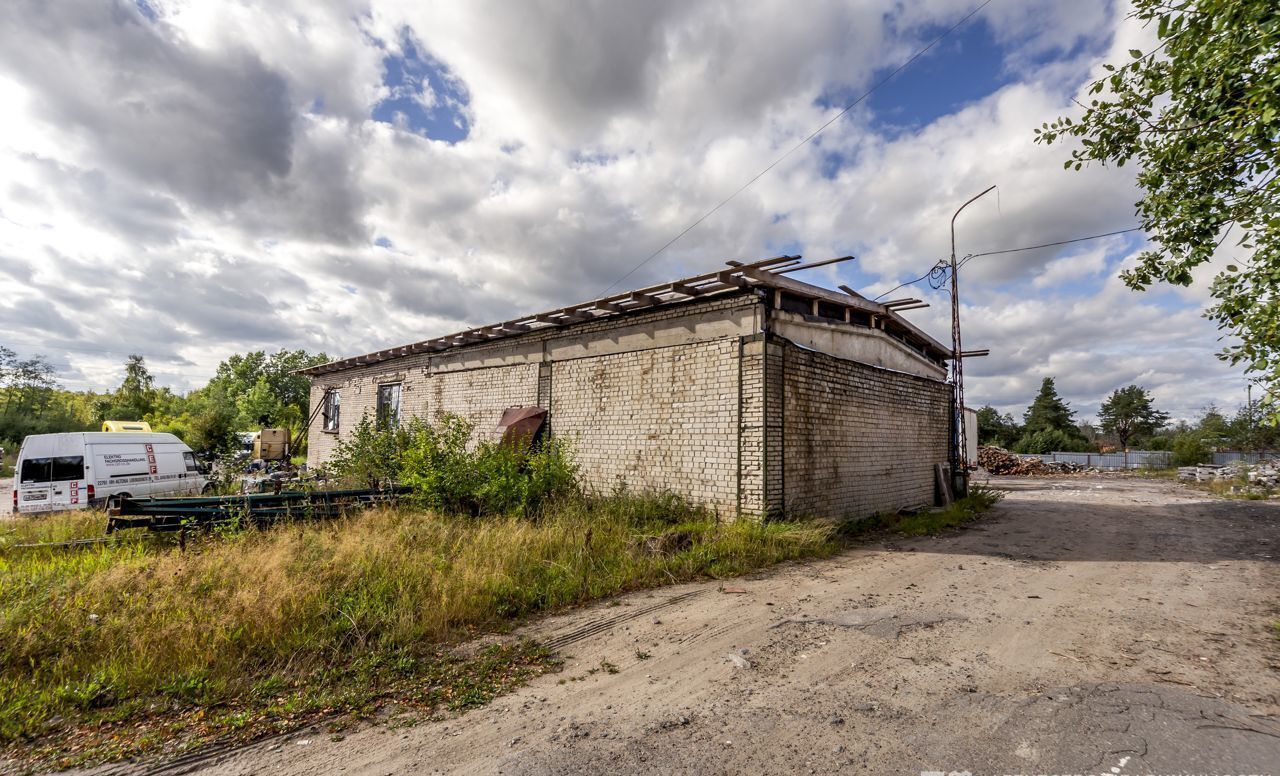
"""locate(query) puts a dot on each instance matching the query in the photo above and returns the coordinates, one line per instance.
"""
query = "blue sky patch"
(147, 10)
(964, 68)
(425, 98)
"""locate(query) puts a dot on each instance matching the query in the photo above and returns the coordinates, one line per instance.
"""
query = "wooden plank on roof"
(810, 291)
(798, 288)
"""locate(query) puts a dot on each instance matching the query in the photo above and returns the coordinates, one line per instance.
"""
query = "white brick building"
(745, 390)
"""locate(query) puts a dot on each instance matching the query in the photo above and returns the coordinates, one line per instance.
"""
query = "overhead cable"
(937, 274)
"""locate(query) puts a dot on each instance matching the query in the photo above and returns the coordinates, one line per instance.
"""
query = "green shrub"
(451, 474)
(1189, 450)
(371, 456)
(437, 465)
(1051, 441)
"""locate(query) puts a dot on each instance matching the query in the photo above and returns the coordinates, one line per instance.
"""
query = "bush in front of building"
(450, 473)
(489, 478)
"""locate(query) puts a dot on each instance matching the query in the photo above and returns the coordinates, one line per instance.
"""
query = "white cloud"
(212, 181)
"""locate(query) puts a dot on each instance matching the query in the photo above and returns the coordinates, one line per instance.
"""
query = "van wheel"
(207, 489)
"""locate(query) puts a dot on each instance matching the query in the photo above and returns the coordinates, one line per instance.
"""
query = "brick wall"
(657, 419)
(689, 398)
(649, 399)
(856, 439)
(479, 395)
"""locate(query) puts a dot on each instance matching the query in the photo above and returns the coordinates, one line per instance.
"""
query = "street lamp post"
(959, 468)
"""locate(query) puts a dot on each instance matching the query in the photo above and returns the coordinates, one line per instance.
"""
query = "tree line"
(1127, 420)
(248, 391)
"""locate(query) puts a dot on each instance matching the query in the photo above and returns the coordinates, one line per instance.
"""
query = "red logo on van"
(151, 458)
(75, 492)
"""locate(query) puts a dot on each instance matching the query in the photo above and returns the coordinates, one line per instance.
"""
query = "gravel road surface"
(1089, 625)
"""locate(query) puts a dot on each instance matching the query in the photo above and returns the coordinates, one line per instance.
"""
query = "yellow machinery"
(272, 444)
(126, 425)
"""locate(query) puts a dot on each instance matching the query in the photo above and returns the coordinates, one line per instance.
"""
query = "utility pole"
(959, 467)
(1248, 394)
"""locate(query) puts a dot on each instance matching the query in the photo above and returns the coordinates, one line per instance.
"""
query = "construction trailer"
(744, 390)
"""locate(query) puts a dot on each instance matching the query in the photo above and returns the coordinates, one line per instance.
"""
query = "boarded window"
(388, 405)
(333, 409)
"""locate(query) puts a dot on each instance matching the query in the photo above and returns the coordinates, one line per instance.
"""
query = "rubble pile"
(997, 460)
(1258, 475)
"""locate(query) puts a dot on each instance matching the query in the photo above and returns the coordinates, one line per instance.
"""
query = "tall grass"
(113, 631)
(259, 627)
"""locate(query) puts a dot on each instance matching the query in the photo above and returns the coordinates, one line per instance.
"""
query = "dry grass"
(326, 616)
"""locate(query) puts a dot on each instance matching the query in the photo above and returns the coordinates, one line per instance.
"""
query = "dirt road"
(1089, 625)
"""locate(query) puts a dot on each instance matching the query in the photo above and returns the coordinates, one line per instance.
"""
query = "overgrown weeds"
(929, 522)
(1239, 487)
(449, 471)
(116, 649)
(268, 625)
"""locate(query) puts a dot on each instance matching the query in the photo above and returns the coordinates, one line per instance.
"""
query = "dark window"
(388, 405)
(36, 469)
(190, 460)
(333, 409)
(795, 304)
(62, 468)
(828, 310)
(67, 468)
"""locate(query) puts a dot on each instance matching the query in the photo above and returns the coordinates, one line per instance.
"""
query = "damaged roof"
(767, 274)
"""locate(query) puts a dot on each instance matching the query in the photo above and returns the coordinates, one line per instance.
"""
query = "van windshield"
(62, 468)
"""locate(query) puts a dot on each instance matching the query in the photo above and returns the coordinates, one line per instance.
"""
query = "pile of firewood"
(997, 460)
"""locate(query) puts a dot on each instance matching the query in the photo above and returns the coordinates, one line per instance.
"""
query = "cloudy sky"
(187, 179)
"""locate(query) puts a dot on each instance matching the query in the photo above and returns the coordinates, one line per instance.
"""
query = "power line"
(799, 145)
(933, 271)
(1051, 244)
(940, 269)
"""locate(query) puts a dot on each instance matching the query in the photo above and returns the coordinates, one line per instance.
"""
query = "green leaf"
(1201, 123)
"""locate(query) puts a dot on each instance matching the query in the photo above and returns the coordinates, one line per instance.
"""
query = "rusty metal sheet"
(520, 425)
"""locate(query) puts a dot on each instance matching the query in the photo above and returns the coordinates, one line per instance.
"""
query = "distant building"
(744, 390)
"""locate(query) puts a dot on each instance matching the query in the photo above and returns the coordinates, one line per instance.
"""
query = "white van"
(76, 470)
